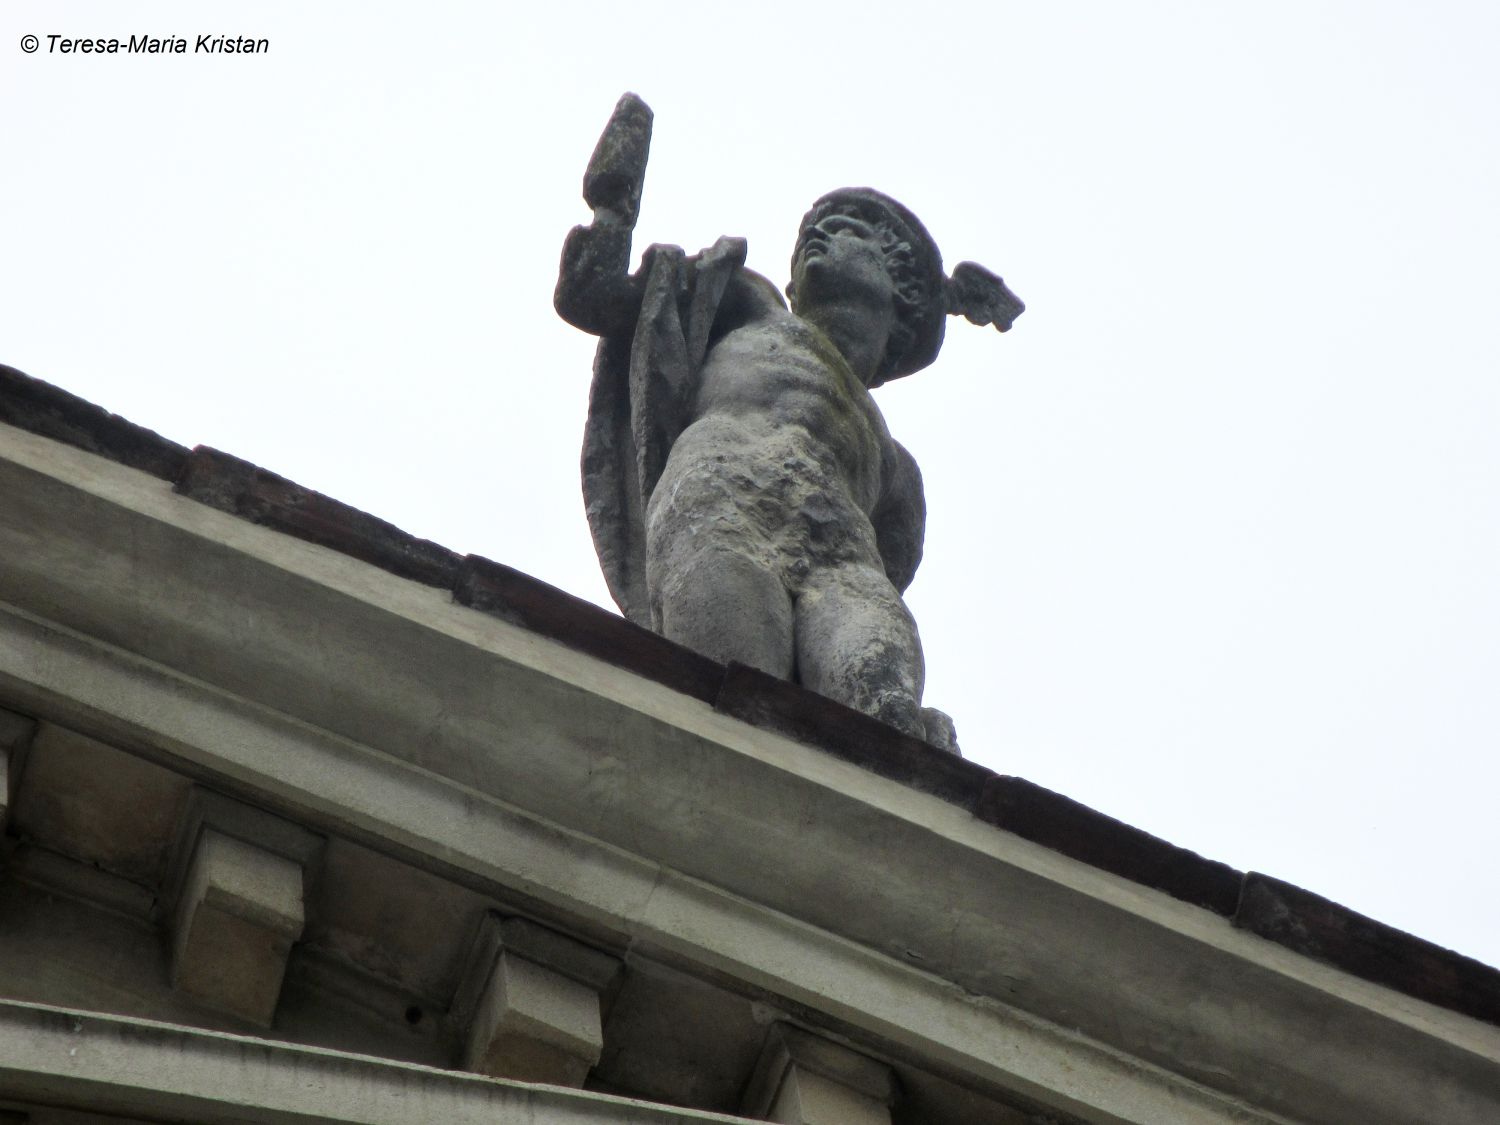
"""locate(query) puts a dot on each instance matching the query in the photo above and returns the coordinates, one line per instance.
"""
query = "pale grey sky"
(1212, 539)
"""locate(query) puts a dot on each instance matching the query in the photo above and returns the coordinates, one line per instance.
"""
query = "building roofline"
(1296, 919)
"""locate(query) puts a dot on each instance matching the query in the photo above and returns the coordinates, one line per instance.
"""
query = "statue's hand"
(617, 170)
(595, 291)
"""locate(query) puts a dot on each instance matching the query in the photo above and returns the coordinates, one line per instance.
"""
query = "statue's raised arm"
(594, 289)
(654, 327)
(744, 494)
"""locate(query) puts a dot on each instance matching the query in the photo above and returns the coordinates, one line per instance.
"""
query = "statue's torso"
(782, 455)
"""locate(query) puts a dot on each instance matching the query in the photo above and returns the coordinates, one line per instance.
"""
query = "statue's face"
(840, 259)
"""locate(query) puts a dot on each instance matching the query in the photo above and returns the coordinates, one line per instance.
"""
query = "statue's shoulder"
(749, 298)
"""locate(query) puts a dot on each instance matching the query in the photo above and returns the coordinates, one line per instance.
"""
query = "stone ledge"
(52, 412)
(242, 489)
(512, 596)
(1325, 931)
(905, 1013)
(774, 704)
(1087, 835)
(136, 508)
(117, 1065)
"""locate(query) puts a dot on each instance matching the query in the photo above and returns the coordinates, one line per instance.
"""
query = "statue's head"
(911, 261)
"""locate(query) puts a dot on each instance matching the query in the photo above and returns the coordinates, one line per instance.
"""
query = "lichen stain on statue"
(745, 496)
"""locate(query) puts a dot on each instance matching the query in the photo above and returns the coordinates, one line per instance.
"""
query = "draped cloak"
(639, 403)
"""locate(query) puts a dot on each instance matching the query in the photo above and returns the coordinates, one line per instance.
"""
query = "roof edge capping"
(28, 403)
(1321, 929)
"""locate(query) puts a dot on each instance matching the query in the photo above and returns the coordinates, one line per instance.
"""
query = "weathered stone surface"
(506, 593)
(239, 912)
(601, 800)
(1074, 829)
(105, 807)
(745, 496)
(15, 730)
(531, 1002)
(151, 1071)
(223, 481)
(806, 1079)
(205, 810)
(52, 412)
(1315, 927)
(534, 1024)
(810, 1099)
(15, 739)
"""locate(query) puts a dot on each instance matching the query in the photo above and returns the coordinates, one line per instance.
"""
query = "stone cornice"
(360, 702)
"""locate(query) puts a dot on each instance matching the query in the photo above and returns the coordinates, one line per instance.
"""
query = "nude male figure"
(754, 506)
(761, 545)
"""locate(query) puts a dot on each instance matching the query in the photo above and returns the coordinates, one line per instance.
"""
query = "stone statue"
(744, 494)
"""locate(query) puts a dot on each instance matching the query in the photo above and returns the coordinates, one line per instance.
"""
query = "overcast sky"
(1212, 541)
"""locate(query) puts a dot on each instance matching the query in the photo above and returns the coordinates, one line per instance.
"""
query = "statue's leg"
(857, 642)
(727, 606)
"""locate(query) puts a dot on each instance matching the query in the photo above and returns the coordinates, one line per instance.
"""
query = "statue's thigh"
(727, 606)
(857, 643)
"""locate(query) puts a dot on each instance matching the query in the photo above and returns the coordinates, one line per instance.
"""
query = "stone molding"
(975, 953)
(113, 1064)
(1361, 946)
